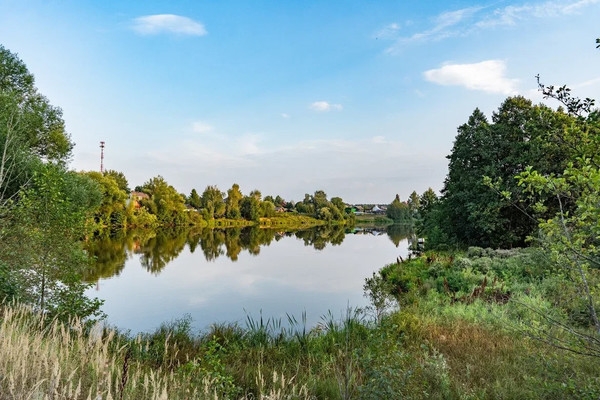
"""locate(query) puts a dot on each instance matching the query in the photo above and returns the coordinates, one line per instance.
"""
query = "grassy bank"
(463, 330)
(372, 219)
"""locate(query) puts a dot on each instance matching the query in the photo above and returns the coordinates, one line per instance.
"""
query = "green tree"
(520, 134)
(31, 130)
(399, 211)
(119, 178)
(213, 205)
(250, 208)
(43, 245)
(413, 202)
(113, 210)
(572, 234)
(194, 199)
(165, 202)
(232, 203)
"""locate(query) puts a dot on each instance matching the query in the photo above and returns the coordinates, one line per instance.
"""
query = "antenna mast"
(102, 156)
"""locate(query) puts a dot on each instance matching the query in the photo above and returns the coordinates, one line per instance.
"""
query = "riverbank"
(462, 332)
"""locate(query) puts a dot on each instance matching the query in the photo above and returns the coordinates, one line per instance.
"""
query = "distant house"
(136, 197)
(377, 210)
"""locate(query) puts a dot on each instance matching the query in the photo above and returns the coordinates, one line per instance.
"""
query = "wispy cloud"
(324, 106)
(389, 31)
(201, 127)
(488, 76)
(445, 25)
(511, 15)
(470, 20)
(167, 23)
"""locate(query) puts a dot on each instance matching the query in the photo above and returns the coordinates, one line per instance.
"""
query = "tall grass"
(59, 361)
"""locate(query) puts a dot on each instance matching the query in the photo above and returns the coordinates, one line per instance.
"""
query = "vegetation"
(450, 326)
(471, 323)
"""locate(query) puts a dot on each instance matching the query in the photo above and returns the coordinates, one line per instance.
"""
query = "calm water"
(223, 276)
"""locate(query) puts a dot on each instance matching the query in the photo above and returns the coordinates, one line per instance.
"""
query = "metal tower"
(102, 156)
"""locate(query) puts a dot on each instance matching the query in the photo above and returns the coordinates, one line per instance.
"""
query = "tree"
(120, 179)
(30, 128)
(398, 211)
(232, 203)
(112, 211)
(572, 236)
(213, 205)
(43, 244)
(39, 124)
(250, 208)
(165, 202)
(413, 202)
(194, 199)
(520, 134)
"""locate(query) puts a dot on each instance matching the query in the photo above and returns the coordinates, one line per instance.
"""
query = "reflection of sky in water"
(286, 277)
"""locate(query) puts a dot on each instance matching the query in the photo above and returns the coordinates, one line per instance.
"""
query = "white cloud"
(444, 26)
(473, 19)
(511, 15)
(323, 106)
(388, 32)
(284, 115)
(201, 127)
(167, 23)
(488, 76)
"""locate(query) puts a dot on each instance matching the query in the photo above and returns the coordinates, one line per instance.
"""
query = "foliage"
(43, 245)
(520, 134)
(165, 202)
(399, 211)
(113, 211)
(31, 129)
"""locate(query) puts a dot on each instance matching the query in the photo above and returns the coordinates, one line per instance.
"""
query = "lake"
(220, 276)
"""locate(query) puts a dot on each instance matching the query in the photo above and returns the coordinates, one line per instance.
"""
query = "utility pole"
(102, 156)
(101, 171)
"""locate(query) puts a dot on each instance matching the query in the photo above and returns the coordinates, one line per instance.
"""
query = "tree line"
(47, 210)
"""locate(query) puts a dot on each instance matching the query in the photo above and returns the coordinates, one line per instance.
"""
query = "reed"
(64, 361)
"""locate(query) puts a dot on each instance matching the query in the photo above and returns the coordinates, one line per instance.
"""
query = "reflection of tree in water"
(232, 243)
(109, 254)
(158, 251)
(253, 237)
(399, 232)
(211, 242)
(110, 251)
(319, 236)
(158, 248)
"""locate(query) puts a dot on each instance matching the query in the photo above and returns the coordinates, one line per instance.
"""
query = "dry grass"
(61, 362)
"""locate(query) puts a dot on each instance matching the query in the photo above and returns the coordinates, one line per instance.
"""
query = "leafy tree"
(250, 208)
(165, 202)
(119, 178)
(194, 199)
(213, 205)
(37, 122)
(43, 244)
(267, 209)
(112, 211)
(572, 234)
(413, 202)
(232, 203)
(399, 211)
(520, 134)
(30, 128)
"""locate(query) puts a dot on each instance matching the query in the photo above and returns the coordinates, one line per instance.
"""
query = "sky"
(359, 99)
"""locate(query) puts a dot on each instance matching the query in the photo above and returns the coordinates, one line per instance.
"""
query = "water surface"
(223, 276)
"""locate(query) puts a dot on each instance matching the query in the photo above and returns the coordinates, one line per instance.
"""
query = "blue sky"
(359, 99)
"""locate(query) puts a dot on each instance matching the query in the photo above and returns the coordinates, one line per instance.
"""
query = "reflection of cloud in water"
(287, 277)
